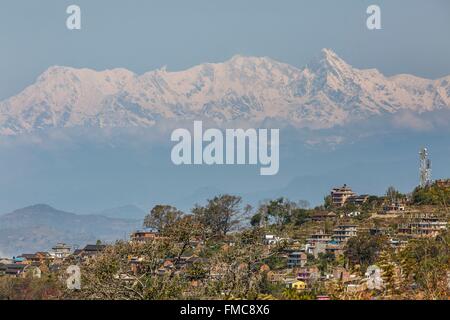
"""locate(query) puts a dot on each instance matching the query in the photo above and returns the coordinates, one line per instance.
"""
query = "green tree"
(256, 220)
(364, 249)
(393, 195)
(432, 195)
(219, 215)
(292, 294)
(282, 211)
(325, 260)
(327, 202)
(162, 216)
(389, 272)
(48, 287)
(425, 264)
(300, 216)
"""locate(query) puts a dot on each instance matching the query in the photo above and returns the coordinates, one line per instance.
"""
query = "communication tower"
(425, 168)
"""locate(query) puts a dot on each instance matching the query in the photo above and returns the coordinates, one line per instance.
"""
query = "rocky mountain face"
(325, 93)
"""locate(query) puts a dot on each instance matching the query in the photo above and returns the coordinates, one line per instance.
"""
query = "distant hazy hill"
(129, 212)
(39, 227)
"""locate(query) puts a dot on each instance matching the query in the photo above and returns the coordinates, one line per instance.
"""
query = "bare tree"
(219, 215)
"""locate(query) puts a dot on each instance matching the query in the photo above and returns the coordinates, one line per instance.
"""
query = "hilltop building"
(358, 200)
(423, 227)
(443, 183)
(339, 196)
(345, 195)
(394, 207)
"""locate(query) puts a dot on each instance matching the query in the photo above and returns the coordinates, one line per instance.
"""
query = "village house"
(308, 274)
(299, 285)
(335, 249)
(319, 237)
(42, 257)
(277, 276)
(425, 226)
(60, 251)
(270, 239)
(316, 243)
(24, 259)
(6, 261)
(345, 195)
(37, 258)
(323, 216)
(88, 252)
(297, 259)
(19, 260)
(358, 200)
(289, 280)
(93, 249)
(142, 236)
(13, 270)
(167, 267)
(135, 264)
(344, 232)
(394, 207)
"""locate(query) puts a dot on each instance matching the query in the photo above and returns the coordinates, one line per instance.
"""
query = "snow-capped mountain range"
(325, 93)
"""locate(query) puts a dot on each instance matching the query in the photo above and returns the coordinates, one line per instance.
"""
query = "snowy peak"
(239, 62)
(67, 74)
(326, 60)
(325, 93)
(329, 70)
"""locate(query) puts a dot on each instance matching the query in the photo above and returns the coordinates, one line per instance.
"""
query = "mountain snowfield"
(325, 93)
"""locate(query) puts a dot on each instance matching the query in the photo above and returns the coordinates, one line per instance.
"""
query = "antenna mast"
(425, 168)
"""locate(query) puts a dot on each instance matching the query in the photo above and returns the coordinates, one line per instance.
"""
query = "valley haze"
(327, 92)
(85, 140)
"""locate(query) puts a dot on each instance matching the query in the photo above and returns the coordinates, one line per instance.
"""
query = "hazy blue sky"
(144, 35)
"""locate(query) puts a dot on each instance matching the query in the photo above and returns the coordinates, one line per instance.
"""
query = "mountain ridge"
(325, 93)
(39, 227)
(128, 212)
